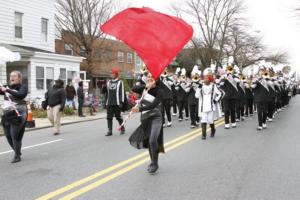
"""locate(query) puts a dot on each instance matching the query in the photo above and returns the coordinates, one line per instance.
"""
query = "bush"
(69, 111)
(39, 113)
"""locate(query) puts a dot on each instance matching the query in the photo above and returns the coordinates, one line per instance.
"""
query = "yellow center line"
(112, 168)
(126, 169)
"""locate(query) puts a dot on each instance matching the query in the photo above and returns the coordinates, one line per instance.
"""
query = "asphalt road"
(82, 163)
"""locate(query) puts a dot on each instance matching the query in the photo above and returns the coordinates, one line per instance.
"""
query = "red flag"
(156, 37)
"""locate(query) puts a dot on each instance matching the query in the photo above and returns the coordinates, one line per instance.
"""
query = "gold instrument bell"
(229, 69)
(165, 73)
(195, 78)
(144, 69)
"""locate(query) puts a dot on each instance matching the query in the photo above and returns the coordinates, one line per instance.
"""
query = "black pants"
(240, 108)
(113, 111)
(183, 104)
(166, 109)
(271, 108)
(174, 104)
(229, 110)
(249, 107)
(153, 139)
(14, 133)
(262, 112)
(194, 114)
(80, 107)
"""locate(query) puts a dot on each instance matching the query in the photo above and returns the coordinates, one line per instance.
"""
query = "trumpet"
(182, 78)
(165, 73)
(144, 69)
(229, 69)
(195, 78)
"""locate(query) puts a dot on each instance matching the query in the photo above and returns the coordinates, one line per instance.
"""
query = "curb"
(62, 124)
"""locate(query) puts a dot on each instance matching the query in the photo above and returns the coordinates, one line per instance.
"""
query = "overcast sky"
(275, 19)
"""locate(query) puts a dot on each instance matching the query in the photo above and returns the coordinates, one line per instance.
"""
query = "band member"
(182, 95)
(209, 96)
(261, 93)
(115, 98)
(167, 97)
(241, 100)
(150, 133)
(271, 99)
(174, 90)
(229, 86)
(192, 100)
(249, 99)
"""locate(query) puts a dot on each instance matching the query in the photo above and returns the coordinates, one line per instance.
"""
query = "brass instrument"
(196, 78)
(229, 69)
(165, 73)
(144, 69)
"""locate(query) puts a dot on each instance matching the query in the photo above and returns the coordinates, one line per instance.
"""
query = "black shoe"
(56, 134)
(153, 168)
(82, 116)
(203, 137)
(109, 133)
(16, 159)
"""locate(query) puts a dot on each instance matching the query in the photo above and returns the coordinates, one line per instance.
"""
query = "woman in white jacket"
(209, 107)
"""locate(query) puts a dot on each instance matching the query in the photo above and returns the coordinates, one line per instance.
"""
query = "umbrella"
(8, 56)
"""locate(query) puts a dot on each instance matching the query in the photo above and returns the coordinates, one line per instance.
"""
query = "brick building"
(107, 54)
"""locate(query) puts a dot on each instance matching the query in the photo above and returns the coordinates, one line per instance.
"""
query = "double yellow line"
(136, 161)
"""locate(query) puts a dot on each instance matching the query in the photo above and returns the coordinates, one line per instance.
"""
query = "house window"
(44, 29)
(18, 25)
(129, 57)
(120, 56)
(138, 60)
(82, 51)
(70, 75)
(63, 74)
(49, 77)
(40, 74)
(69, 49)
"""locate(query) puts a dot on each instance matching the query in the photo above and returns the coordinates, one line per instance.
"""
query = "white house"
(27, 27)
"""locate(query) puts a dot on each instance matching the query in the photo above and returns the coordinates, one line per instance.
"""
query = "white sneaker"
(264, 126)
(186, 118)
(193, 126)
(180, 119)
(237, 120)
(227, 126)
(259, 128)
(169, 124)
(233, 125)
(164, 125)
(270, 120)
(174, 114)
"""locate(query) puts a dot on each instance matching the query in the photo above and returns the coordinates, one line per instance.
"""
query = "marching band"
(232, 94)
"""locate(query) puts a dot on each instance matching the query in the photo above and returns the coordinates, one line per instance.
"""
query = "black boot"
(17, 158)
(109, 124)
(213, 130)
(154, 164)
(203, 131)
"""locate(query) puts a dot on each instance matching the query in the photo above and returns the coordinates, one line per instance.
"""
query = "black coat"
(230, 91)
(140, 137)
(261, 94)
(55, 96)
(192, 100)
(18, 93)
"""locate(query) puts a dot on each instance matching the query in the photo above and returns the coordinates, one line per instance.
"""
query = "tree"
(212, 18)
(81, 19)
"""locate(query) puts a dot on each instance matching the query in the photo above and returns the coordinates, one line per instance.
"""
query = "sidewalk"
(41, 123)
